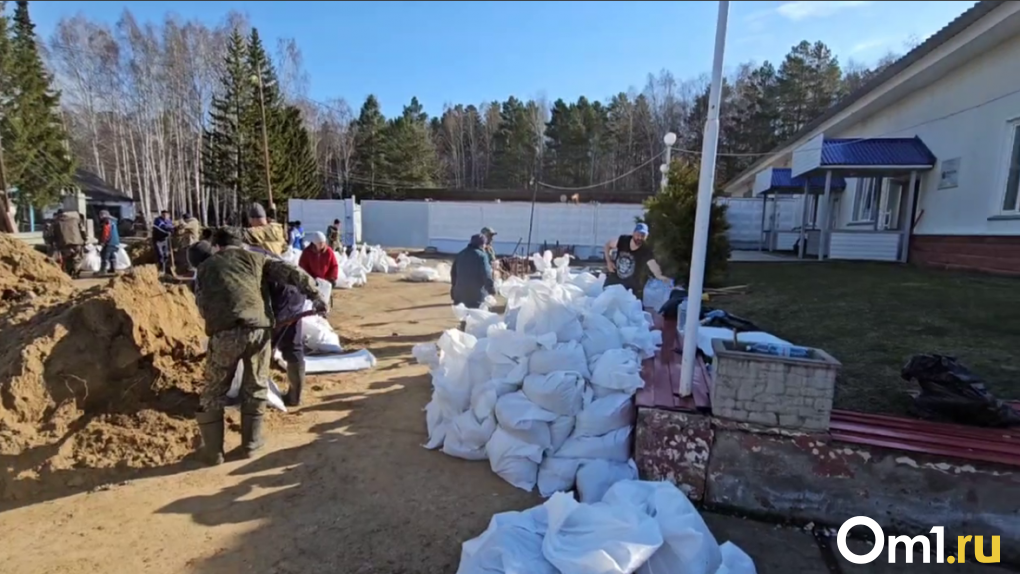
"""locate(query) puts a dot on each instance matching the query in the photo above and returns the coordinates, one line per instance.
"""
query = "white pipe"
(706, 184)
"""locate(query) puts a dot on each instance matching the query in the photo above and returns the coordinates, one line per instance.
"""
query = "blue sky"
(469, 52)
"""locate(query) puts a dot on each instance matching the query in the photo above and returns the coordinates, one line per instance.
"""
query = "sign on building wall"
(949, 174)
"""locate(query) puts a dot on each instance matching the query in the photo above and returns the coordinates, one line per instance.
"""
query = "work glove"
(320, 307)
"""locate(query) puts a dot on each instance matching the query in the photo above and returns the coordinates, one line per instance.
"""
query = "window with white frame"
(1011, 197)
(864, 199)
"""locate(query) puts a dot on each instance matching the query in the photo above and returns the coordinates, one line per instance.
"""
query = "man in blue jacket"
(162, 230)
(471, 275)
(109, 241)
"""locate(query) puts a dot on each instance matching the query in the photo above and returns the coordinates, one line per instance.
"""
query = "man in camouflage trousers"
(229, 294)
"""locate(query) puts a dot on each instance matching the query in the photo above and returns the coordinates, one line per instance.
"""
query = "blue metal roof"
(783, 183)
(906, 152)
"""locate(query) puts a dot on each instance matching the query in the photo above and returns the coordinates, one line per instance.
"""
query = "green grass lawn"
(872, 317)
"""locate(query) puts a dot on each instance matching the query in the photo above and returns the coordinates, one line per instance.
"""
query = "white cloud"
(871, 45)
(801, 10)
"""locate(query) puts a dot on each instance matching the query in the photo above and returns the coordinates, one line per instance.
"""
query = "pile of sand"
(26, 274)
(108, 378)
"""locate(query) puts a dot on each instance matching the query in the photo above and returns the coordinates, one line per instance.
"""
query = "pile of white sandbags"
(545, 392)
(364, 259)
(636, 527)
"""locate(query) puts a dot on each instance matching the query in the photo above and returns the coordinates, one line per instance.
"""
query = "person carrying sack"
(69, 241)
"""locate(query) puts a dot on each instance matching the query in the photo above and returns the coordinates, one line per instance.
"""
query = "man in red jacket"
(318, 260)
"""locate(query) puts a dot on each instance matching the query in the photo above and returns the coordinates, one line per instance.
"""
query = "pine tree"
(293, 171)
(670, 215)
(370, 150)
(264, 93)
(224, 145)
(410, 156)
(37, 161)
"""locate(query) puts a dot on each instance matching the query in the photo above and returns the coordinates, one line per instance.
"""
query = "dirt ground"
(344, 485)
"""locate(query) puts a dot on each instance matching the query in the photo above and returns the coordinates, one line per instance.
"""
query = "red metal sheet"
(1001, 446)
(956, 432)
(945, 450)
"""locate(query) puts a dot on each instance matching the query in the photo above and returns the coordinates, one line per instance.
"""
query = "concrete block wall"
(774, 391)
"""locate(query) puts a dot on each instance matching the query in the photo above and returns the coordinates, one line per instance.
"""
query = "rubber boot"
(210, 425)
(251, 434)
(296, 378)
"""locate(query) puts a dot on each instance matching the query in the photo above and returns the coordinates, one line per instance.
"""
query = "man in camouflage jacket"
(230, 297)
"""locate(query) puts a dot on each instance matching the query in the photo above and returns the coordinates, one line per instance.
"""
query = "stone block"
(778, 391)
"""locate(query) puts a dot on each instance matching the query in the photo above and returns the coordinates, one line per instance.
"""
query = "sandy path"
(343, 487)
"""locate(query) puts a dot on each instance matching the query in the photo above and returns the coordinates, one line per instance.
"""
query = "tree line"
(173, 112)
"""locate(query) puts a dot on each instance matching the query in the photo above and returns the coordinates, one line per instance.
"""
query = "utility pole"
(706, 184)
(265, 138)
(6, 225)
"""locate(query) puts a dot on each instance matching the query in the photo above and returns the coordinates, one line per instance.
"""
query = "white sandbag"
(595, 477)
(121, 261)
(466, 436)
(421, 274)
(273, 397)
(688, 545)
(426, 354)
(612, 446)
(559, 431)
(514, 460)
(604, 415)
(557, 475)
(292, 256)
(340, 363)
(570, 331)
(560, 392)
(597, 538)
(477, 321)
(319, 336)
(616, 370)
(443, 272)
(92, 262)
(591, 285)
(640, 339)
(567, 356)
(512, 544)
(325, 291)
(452, 381)
(735, 560)
(525, 420)
(546, 310)
(439, 414)
(600, 335)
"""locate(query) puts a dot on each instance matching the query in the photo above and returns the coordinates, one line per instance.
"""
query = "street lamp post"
(257, 79)
(706, 184)
(669, 139)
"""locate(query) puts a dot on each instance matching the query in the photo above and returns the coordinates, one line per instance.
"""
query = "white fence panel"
(395, 223)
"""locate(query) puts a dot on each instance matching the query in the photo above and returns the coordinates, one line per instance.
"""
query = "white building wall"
(962, 115)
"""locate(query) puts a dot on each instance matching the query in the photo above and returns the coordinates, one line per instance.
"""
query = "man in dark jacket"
(229, 294)
(471, 275)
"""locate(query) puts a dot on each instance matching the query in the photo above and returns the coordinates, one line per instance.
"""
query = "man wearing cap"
(627, 257)
(109, 241)
(262, 234)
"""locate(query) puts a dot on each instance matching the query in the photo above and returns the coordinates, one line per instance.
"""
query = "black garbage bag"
(724, 320)
(950, 392)
(671, 308)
